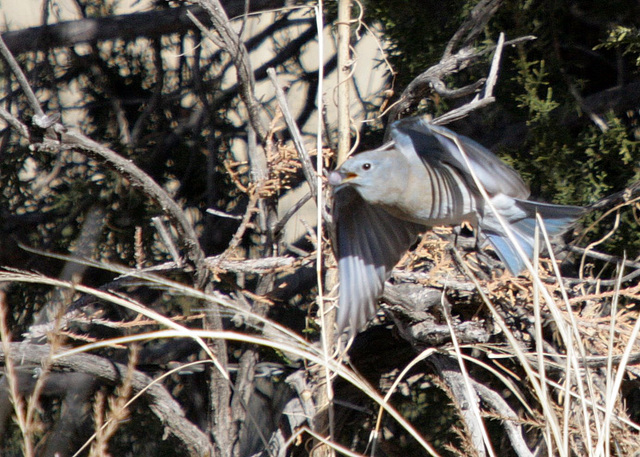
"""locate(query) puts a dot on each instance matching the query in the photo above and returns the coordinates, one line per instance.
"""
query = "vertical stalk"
(344, 69)
(323, 421)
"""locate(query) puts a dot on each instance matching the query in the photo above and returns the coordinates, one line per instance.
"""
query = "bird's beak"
(338, 179)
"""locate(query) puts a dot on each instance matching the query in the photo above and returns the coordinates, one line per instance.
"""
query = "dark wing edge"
(370, 242)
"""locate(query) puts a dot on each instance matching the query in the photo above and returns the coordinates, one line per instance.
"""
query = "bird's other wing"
(435, 144)
(370, 242)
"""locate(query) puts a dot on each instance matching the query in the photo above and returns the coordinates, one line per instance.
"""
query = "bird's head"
(380, 176)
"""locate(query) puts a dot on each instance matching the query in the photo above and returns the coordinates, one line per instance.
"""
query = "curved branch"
(140, 179)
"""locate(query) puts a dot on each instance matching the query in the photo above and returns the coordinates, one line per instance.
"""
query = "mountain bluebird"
(386, 197)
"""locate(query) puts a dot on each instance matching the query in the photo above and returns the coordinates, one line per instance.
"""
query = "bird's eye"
(366, 166)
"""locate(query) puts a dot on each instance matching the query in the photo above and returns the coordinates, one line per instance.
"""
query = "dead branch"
(15, 123)
(451, 375)
(39, 117)
(151, 24)
(510, 420)
(70, 139)
(433, 78)
(127, 169)
(475, 22)
(626, 195)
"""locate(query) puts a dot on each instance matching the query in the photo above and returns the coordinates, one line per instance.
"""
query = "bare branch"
(256, 266)
(473, 25)
(450, 373)
(487, 96)
(509, 418)
(15, 123)
(492, 79)
(290, 212)
(239, 55)
(138, 178)
(167, 240)
(124, 167)
(39, 116)
(433, 80)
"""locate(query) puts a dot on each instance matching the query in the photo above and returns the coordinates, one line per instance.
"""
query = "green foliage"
(532, 77)
(623, 38)
(576, 165)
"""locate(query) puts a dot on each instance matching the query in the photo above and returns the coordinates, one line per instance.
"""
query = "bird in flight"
(384, 198)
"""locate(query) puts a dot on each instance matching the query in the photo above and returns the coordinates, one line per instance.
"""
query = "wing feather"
(416, 137)
(370, 243)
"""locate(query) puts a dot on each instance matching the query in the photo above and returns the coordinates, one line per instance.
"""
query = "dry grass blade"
(306, 351)
(11, 377)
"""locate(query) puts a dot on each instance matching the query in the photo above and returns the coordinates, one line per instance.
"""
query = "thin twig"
(219, 213)
(307, 167)
(14, 122)
(167, 240)
(290, 212)
(40, 116)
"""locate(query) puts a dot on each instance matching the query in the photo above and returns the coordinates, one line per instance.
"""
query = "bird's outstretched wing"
(435, 145)
(370, 243)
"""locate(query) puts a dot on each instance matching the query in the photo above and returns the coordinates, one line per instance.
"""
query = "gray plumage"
(384, 198)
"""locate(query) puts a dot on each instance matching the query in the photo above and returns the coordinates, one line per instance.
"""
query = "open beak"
(338, 179)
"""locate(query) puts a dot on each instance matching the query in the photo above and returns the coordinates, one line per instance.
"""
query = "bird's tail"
(557, 219)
